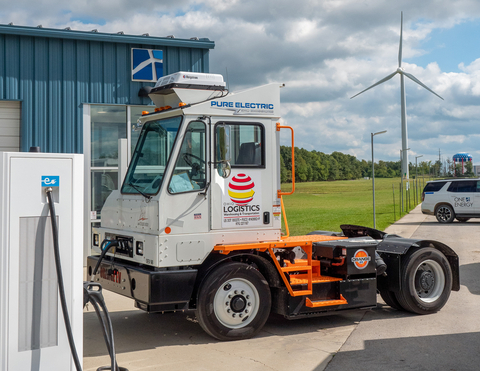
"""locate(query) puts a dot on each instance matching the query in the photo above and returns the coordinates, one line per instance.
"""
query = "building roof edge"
(202, 43)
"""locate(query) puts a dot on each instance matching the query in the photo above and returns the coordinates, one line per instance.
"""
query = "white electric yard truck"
(196, 224)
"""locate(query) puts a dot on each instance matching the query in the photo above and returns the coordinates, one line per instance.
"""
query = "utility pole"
(373, 179)
(439, 162)
(401, 175)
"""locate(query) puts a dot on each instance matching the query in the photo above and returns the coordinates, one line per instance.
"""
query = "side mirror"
(224, 169)
(223, 143)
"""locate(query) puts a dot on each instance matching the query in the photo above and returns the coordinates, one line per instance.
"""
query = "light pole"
(373, 178)
(416, 180)
(401, 176)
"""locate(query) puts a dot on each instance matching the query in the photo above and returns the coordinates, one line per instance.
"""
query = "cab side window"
(244, 145)
(190, 168)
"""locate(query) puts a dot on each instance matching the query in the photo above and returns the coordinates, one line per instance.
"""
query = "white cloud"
(325, 52)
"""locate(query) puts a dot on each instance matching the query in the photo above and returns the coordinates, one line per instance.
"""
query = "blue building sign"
(147, 64)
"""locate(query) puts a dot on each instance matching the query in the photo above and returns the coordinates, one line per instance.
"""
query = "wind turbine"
(402, 73)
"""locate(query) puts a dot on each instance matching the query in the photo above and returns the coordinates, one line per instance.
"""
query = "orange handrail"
(284, 219)
(279, 192)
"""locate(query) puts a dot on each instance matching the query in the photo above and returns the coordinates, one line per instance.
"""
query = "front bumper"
(152, 290)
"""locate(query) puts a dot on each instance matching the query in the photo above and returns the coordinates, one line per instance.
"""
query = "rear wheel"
(426, 280)
(234, 302)
(445, 214)
(390, 299)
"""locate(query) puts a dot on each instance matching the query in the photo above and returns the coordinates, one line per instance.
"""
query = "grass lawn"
(327, 205)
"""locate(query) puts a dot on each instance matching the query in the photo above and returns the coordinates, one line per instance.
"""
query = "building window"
(108, 124)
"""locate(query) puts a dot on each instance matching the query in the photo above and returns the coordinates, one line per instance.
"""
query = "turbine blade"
(377, 83)
(401, 39)
(413, 78)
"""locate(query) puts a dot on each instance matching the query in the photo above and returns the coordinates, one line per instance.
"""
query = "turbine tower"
(402, 74)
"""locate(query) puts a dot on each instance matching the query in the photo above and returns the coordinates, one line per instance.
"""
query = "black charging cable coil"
(92, 292)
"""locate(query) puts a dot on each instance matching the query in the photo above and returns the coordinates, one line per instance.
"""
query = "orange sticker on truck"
(361, 259)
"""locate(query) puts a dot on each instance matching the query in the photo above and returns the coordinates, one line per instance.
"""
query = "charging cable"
(92, 292)
(104, 248)
(61, 287)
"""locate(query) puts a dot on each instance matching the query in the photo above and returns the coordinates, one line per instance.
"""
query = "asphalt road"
(386, 339)
(379, 339)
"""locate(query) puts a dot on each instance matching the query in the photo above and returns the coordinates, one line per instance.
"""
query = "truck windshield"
(150, 159)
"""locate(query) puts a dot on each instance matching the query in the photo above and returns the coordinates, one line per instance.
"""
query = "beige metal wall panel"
(10, 126)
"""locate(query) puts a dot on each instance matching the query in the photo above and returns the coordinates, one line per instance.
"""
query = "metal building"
(71, 91)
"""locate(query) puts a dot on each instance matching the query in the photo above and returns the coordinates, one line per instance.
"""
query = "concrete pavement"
(387, 339)
(361, 340)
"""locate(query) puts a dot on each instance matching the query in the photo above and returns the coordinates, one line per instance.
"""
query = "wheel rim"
(236, 303)
(444, 213)
(429, 281)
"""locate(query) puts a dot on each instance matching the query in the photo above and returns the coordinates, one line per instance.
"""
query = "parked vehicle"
(197, 224)
(452, 199)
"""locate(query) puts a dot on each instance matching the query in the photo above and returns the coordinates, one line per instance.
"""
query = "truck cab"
(204, 172)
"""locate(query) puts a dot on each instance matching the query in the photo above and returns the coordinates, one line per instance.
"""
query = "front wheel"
(233, 302)
(445, 214)
(426, 280)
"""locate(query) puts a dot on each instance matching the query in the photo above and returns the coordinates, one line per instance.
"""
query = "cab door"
(241, 194)
(185, 204)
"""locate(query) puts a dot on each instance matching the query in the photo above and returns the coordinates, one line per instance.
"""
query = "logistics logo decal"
(361, 259)
(240, 189)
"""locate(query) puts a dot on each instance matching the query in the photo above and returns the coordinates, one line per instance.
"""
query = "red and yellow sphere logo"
(360, 259)
(240, 189)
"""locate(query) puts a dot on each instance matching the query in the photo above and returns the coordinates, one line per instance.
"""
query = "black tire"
(462, 220)
(426, 280)
(390, 299)
(233, 302)
(445, 214)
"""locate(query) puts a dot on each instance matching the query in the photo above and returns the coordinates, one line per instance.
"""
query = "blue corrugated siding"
(54, 77)
(69, 108)
(27, 71)
(54, 94)
(123, 73)
(197, 65)
(12, 66)
(39, 126)
(170, 60)
(2, 65)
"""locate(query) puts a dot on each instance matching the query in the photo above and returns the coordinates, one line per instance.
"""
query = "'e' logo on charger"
(50, 181)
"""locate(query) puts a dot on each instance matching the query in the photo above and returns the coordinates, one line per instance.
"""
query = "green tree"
(469, 169)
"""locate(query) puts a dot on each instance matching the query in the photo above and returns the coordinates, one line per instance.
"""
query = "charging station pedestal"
(32, 330)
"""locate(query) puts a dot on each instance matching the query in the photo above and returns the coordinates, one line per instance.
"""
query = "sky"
(324, 51)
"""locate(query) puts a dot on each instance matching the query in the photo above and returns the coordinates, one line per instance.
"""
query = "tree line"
(311, 166)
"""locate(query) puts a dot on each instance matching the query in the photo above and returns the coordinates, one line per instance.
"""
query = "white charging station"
(32, 330)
